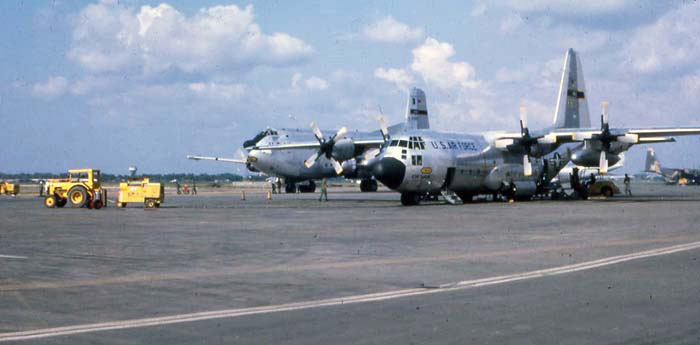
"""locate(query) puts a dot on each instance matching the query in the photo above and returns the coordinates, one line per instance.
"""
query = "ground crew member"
(279, 185)
(194, 187)
(41, 187)
(177, 185)
(274, 189)
(324, 189)
(628, 190)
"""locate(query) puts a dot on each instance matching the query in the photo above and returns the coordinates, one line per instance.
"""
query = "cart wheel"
(97, 204)
(50, 201)
(150, 203)
(121, 204)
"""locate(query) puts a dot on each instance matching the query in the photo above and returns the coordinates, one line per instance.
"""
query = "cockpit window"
(394, 143)
(403, 143)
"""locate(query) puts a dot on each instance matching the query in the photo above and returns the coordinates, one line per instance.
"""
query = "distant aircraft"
(298, 155)
(670, 175)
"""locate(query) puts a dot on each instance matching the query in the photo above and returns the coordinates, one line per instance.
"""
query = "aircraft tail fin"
(652, 164)
(572, 105)
(417, 110)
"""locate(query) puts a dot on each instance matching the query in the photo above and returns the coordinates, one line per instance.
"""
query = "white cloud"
(316, 83)
(108, 38)
(389, 30)
(479, 9)
(218, 90)
(569, 7)
(511, 23)
(432, 61)
(673, 41)
(402, 78)
(313, 83)
(54, 87)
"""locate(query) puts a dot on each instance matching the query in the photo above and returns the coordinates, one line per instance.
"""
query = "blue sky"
(116, 83)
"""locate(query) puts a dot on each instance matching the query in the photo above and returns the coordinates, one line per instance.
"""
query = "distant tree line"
(164, 178)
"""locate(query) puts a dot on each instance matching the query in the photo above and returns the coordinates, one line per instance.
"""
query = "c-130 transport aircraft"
(423, 162)
(346, 153)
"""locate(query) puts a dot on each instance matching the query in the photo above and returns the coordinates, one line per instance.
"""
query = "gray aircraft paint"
(572, 103)
(289, 164)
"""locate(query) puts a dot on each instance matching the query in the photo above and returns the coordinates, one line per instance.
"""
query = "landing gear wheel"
(78, 197)
(290, 188)
(150, 203)
(368, 186)
(50, 201)
(409, 199)
(466, 197)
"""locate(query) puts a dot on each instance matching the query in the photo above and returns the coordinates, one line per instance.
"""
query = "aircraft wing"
(203, 158)
(626, 135)
(361, 144)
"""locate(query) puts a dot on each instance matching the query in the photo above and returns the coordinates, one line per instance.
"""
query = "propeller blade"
(341, 132)
(605, 113)
(603, 163)
(317, 131)
(338, 168)
(523, 118)
(503, 143)
(527, 166)
(312, 160)
(382, 126)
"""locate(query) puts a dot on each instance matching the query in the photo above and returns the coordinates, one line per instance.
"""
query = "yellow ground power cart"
(8, 188)
(141, 190)
(82, 188)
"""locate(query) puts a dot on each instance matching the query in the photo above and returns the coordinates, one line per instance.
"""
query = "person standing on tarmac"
(628, 190)
(177, 185)
(194, 187)
(324, 190)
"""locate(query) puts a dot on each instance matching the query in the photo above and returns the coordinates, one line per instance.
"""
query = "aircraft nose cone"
(389, 171)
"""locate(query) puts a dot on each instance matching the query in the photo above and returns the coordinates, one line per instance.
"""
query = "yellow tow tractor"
(8, 188)
(82, 188)
(141, 190)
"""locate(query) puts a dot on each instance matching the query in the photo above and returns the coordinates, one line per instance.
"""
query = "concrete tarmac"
(250, 260)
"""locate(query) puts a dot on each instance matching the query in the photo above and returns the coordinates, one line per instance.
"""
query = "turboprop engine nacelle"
(343, 149)
(591, 158)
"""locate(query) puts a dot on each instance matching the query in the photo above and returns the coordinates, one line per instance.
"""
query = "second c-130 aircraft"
(289, 154)
(419, 162)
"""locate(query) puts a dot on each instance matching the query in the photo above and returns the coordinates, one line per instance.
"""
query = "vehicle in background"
(82, 188)
(142, 191)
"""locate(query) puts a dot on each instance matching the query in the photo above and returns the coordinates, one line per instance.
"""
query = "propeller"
(326, 148)
(526, 141)
(603, 163)
(383, 128)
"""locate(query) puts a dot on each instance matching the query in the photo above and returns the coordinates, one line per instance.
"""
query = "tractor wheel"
(78, 197)
(50, 201)
(150, 203)
(97, 204)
